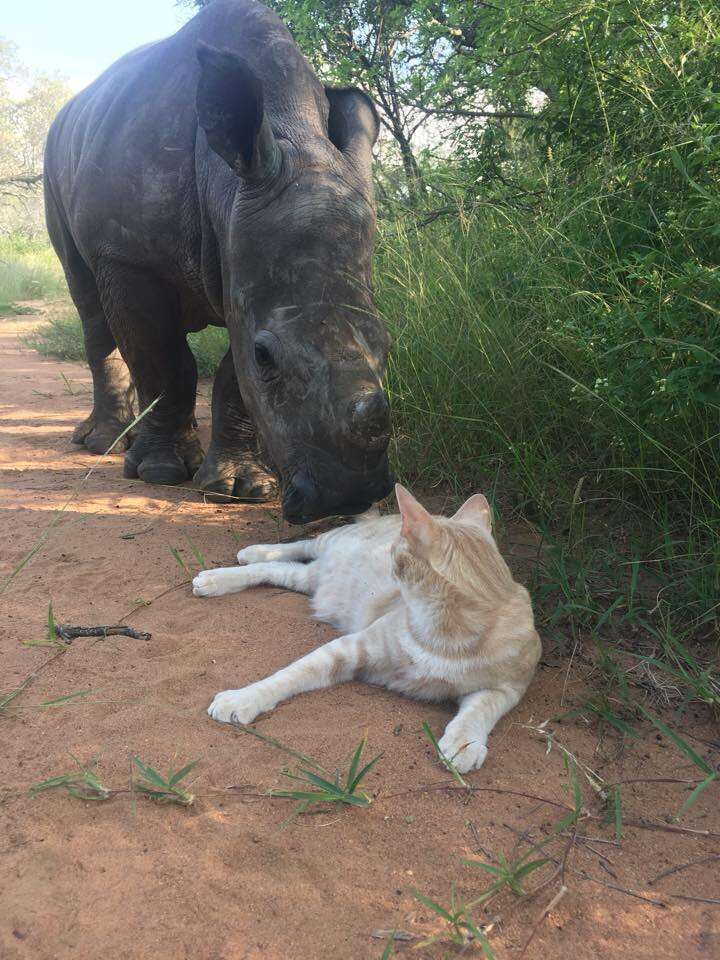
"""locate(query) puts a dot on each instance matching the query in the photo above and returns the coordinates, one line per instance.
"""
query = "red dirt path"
(220, 880)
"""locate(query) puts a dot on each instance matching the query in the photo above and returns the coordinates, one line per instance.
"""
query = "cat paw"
(215, 583)
(465, 756)
(237, 706)
(207, 584)
(254, 554)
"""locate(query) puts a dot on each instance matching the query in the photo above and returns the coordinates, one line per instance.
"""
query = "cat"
(427, 606)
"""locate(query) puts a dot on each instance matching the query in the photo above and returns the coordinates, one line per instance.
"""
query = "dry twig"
(67, 633)
(683, 866)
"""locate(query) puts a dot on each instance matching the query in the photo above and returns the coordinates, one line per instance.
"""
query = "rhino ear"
(230, 110)
(353, 124)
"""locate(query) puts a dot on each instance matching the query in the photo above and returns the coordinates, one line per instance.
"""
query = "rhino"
(210, 178)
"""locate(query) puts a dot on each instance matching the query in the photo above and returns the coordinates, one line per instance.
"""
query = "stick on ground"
(67, 633)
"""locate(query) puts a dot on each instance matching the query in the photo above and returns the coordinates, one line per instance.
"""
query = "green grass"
(163, 789)
(82, 783)
(29, 270)
(318, 786)
(61, 337)
(209, 346)
(180, 560)
(524, 366)
(508, 874)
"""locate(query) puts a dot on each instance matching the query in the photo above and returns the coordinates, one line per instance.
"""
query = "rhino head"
(295, 252)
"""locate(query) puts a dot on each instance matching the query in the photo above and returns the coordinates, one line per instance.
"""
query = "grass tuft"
(82, 783)
(320, 786)
(163, 789)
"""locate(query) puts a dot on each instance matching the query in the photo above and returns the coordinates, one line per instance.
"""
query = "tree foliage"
(27, 107)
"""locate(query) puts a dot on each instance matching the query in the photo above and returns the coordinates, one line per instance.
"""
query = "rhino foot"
(224, 480)
(98, 433)
(163, 461)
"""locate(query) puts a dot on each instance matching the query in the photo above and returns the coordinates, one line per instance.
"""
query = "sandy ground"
(129, 878)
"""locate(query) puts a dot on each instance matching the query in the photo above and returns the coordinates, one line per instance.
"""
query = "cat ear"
(476, 510)
(417, 524)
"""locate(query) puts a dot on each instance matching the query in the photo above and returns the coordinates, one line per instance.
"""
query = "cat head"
(454, 547)
(427, 536)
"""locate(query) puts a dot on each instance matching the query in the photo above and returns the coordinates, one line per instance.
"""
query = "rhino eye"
(265, 357)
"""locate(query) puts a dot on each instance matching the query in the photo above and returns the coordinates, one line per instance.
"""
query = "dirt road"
(128, 878)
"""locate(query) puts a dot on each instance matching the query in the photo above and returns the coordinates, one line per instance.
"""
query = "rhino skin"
(210, 178)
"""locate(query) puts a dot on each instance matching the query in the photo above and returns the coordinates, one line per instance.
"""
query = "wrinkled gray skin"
(210, 178)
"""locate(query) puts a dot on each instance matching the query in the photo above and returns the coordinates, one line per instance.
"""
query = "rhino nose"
(369, 420)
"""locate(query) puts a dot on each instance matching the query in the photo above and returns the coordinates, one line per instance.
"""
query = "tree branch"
(24, 180)
(475, 114)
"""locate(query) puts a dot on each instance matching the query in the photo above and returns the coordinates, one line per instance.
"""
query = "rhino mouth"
(332, 490)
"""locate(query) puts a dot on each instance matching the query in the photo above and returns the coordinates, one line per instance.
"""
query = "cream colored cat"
(427, 607)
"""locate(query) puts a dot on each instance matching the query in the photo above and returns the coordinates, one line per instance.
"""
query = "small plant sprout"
(79, 696)
(197, 553)
(180, 560)
(708, 773)
(51, 638)
(321, 786)
(7, 698)
(445, 761)
(389, 947)
(163, 789)
(507, 874)
(82, 783)
(460, 929)
(67, 384)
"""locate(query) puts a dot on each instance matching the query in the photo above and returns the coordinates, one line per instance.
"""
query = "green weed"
(7, 698)
(163, 789)
(180, 561)
(14, 310)
(460, 928)
(82, 783)
(320, 786)
(60, 336)
(51, 638)
(709, 774)
(196, 552)
(445, 761)
(507, 874)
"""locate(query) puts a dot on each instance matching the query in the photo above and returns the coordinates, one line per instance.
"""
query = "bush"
(532, 361)
(29, 270)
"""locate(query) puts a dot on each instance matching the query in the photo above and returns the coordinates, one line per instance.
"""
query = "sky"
(80, 38)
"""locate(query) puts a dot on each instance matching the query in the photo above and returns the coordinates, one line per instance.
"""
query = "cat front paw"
(221, 580)
(254, 554)
(207, 584)
(465, 755)
(238, 706)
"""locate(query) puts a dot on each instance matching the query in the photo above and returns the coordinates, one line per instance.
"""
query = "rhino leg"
(231, 470)
(143, 314)
(113, 392)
